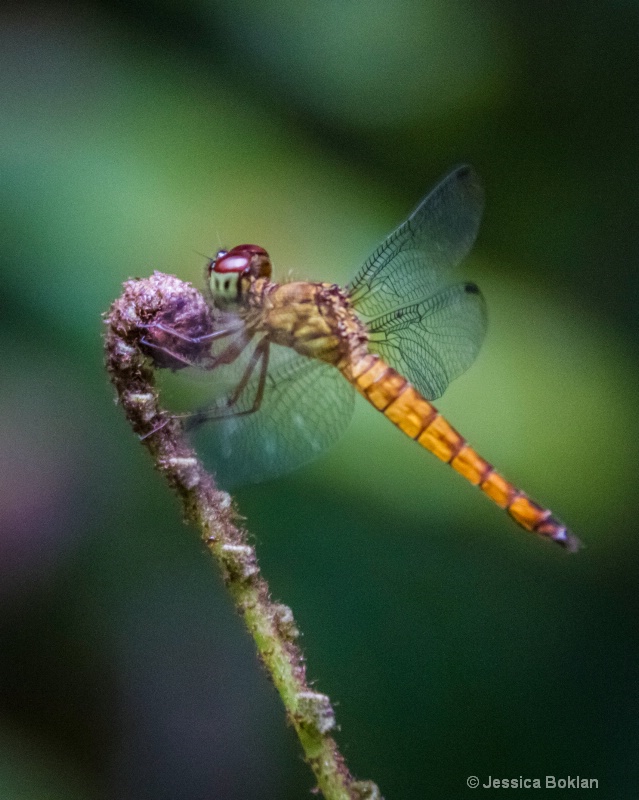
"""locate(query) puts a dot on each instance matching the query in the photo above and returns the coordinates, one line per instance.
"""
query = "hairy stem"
(137, 325)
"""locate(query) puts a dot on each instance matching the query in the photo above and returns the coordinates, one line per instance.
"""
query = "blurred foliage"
(134, 136)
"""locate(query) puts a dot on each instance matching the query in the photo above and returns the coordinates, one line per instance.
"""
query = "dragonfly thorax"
(231, 272)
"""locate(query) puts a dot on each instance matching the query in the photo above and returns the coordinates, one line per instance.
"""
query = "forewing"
(414, 261)
(433, 341)
(307, 405)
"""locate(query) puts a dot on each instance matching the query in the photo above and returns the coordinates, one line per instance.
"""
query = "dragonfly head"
(231, 271)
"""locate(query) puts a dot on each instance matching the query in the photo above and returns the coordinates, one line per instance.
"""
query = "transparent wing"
(423, 327)
(433, 341)
(306, 406)
(414, 261)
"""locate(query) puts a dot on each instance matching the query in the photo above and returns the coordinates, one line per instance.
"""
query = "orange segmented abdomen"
(398, 400)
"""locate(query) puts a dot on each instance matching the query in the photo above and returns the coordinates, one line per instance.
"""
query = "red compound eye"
(245, 258)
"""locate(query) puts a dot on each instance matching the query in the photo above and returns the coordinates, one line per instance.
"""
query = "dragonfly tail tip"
(568, 540)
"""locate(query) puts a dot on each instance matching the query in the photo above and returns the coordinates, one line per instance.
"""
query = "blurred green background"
(135, 135)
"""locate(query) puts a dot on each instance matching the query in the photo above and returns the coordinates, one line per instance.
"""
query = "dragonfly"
(289, 358)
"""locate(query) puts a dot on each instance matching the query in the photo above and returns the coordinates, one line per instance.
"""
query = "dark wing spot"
(471, 288)
(227, 283)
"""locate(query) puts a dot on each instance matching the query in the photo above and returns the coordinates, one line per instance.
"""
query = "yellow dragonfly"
(287, 357)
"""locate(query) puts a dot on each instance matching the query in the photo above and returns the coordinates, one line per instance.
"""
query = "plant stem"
(160, 303)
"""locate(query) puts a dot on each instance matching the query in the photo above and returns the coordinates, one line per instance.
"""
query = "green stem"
(167, 302)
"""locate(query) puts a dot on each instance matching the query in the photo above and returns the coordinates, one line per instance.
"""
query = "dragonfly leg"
(207, 337)
(261, 355)
(166, 351)
(174, 349)
(230, 352)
